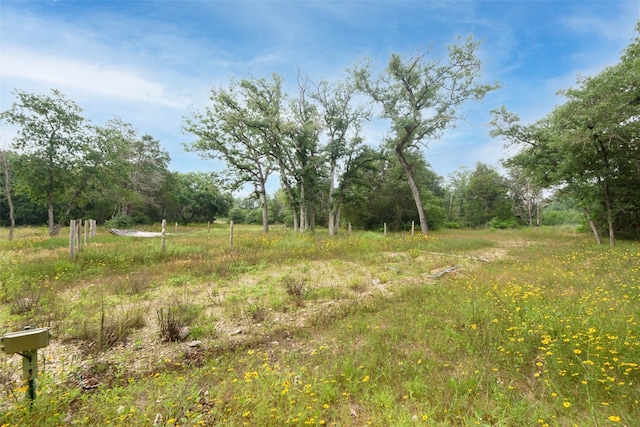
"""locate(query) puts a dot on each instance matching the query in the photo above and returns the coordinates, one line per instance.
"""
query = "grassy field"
(460, 328)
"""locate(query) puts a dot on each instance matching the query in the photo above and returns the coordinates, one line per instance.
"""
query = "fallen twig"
(445, 271)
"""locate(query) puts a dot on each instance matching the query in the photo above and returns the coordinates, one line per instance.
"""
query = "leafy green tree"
(380, 195)
(455, 190)
(4, 163)
(299, 159)
(239, 128)
(277, 208)
(422, 99)
(525, 195)
(133, 173)
(60, 154)
(342, 122)
(198, 198)
(559, 209)
(589, 146)
(486, 198)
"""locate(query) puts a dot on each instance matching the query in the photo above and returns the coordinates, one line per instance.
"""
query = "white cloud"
(618, 27)
(65, 72)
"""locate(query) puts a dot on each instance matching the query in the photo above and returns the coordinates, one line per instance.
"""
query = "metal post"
(30, 371)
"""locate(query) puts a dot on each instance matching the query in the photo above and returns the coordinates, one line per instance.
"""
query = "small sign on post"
(26, 343)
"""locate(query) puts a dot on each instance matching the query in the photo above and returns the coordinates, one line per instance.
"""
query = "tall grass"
(533, 327)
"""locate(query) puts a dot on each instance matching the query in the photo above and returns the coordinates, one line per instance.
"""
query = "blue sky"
(152, 63)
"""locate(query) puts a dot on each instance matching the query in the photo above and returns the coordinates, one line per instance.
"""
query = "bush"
(120, 221)
(295, 288)
(572, 217)
(502, 224)
(256, 312)
(175, 320)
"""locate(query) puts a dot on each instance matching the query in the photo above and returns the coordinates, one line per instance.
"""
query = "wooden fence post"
(164, 235)
(79, 234)
(72, 238)
(208, 226)
(86, 231)
(385, 229)
(230, 234)
(413, 228)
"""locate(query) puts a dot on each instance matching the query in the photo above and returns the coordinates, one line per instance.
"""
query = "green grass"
(534, 327)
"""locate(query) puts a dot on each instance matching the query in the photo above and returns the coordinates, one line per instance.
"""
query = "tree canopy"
(589, 147)
(423, 98)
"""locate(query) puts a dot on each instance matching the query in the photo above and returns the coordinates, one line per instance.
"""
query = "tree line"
(64, 166)
(588, 148)
(582, 159)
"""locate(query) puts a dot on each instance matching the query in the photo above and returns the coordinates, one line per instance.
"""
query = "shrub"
(295, 288)
(120, 221)
(256, 312)
(501, 224)
(175, 320)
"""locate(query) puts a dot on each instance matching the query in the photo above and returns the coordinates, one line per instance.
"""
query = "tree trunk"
(7, 185)
(332, 208)
(602, 149)
(529, 201)
(596, 233)
(292, 202)
(303, 209)
(414, 190)
(312, 218)
(67, 211)
(450, 204)
(593, 226)
(52, 230)
(609, 206)
(263, 205)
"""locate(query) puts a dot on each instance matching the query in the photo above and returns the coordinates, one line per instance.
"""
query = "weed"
(257, 312)
(175, 320)
(358, 285)
(215, 296)
(296, 288)
(112, 326)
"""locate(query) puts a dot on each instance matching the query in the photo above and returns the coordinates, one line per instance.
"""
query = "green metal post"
(30, 371)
